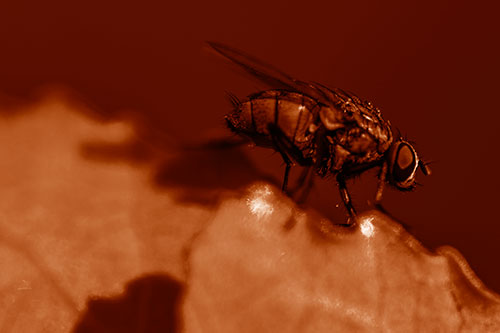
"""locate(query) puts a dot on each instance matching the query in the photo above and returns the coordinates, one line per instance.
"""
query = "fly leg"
(346, 198)
(286, 149)
(281, 149)
(381, 183)
(288, 163)
(304, 184)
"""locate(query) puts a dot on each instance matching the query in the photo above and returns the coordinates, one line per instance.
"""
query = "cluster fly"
(331, 130)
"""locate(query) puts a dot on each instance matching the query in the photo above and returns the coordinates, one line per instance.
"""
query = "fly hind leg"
(304, 184)
(280, 148)
(287, 151)
(288, 166)
(346, 198)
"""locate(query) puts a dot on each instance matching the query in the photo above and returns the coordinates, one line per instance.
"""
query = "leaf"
(264, 266)
(75, 228)
(100, 233)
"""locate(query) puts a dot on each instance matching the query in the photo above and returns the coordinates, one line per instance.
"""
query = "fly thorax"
(340, 156)
(331, 118)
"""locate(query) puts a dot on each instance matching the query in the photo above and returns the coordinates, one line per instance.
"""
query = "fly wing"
(268, 74)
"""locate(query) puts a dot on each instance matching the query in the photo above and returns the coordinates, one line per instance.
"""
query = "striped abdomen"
(290, 112)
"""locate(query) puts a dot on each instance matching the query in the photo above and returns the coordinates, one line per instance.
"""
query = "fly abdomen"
(292, 113)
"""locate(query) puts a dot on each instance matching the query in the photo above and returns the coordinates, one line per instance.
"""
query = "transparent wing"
(270, 75)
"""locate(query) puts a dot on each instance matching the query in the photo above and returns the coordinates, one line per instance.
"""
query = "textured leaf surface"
(93, 244)
(73, 227)
(262, 265)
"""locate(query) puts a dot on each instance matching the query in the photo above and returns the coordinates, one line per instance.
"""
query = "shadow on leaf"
(148, 304)
(192, 175)
(199, 176)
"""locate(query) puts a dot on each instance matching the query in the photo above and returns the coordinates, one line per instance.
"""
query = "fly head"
(403, 162)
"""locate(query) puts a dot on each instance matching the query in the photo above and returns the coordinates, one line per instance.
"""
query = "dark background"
(432, 67)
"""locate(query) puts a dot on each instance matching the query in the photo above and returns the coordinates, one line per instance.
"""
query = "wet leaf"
(76, 228)
(262, 265)
(96, 236)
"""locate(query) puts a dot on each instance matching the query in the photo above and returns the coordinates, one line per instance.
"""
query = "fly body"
(331, 130)
(292, 114)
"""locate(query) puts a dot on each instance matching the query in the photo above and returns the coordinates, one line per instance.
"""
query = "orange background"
(431, 67)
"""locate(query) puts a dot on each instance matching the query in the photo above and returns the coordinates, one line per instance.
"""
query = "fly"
(331, 130)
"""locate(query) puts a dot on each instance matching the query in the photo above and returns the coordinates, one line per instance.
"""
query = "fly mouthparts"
(425, 169)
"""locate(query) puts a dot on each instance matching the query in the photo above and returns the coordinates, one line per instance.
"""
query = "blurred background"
(431, 66)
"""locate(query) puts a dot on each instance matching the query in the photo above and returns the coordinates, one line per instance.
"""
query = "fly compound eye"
(404, 162)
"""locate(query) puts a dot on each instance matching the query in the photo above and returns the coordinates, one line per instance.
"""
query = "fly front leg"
(346, 198)
(381, 183)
